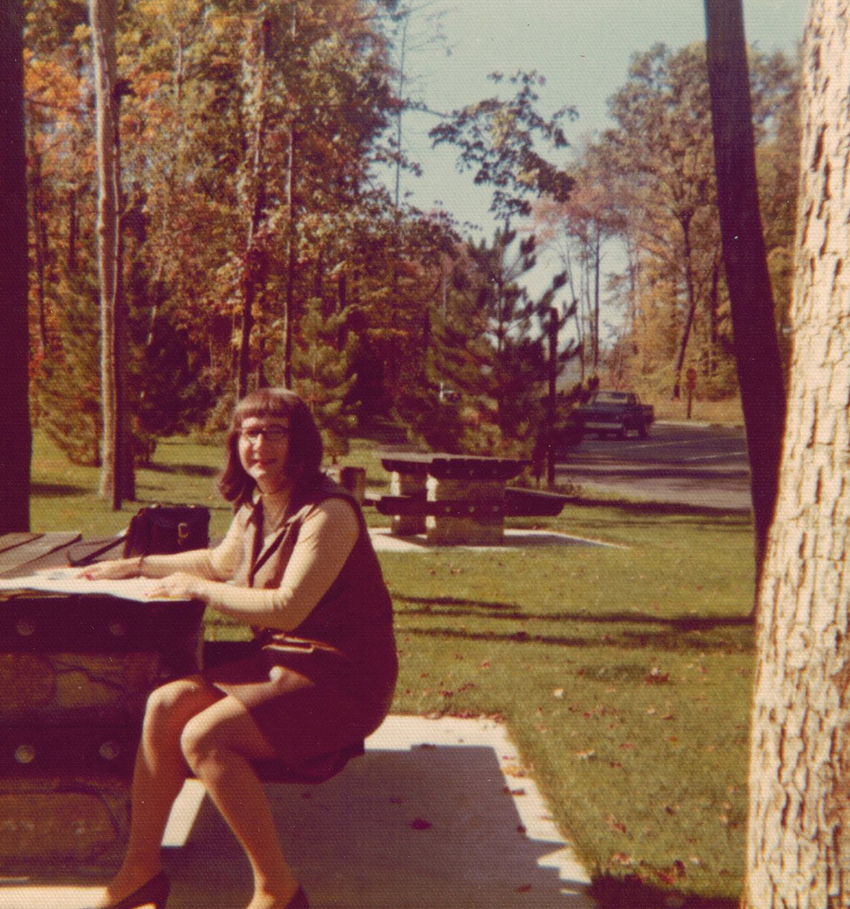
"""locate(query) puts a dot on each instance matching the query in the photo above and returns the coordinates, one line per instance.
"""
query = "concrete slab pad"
(438, 814)
(514, 539)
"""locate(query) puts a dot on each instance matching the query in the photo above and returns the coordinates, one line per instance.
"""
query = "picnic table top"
(23, 553)
(449, 466)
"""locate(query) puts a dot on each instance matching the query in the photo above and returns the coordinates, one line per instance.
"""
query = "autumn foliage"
(261, 244)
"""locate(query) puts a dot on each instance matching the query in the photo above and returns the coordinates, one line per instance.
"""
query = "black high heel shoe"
(299, 901)
(153, 893)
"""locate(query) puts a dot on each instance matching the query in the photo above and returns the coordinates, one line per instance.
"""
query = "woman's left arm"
(326, 538)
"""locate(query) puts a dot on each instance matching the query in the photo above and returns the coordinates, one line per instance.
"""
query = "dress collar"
(272, 509)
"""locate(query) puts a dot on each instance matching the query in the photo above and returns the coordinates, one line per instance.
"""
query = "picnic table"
(458, 499)
(76, 671)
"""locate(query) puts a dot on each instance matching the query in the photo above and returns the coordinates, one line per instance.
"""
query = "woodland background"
(265, 239)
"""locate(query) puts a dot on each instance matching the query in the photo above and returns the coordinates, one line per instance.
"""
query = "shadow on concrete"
(434, 827)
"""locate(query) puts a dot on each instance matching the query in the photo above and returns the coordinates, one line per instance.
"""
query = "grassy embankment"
(622, 673)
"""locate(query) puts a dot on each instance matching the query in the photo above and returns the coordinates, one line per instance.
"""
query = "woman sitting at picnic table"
(297, 565)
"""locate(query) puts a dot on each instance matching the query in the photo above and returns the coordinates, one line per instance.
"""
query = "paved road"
(687, 463)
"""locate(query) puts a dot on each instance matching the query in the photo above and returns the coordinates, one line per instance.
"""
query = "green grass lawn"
(623, 673)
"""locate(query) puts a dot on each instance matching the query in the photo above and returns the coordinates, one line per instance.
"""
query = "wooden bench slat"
(458, 508)
(474, 469)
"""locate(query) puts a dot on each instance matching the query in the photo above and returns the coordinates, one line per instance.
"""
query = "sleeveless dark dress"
(329, 682)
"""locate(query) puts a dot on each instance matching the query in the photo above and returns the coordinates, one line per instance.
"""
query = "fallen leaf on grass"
(615, 825)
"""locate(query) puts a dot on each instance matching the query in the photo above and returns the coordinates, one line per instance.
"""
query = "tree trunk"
(72, 231)
(39, 243)
(597, 269)
(685, 224)
(552, 332)
(102, 19)
(744, 258)
(15, 432)
(799, 819)
(291, 239)
(291, 234)
(253, 268)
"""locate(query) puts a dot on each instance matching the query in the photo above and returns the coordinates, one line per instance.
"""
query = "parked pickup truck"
(615, 412)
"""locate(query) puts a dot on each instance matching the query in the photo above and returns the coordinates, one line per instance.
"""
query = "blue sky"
(582, 48)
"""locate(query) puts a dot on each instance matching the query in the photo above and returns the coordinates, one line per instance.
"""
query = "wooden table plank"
(447, 466)
(14, 561)
(11, 540)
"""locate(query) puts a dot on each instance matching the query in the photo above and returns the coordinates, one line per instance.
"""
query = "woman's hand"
(112, 570)
(181, 586)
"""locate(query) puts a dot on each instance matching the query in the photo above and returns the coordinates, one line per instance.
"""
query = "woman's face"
(263, 450)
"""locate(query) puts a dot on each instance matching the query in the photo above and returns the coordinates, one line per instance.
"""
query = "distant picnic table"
(458, 499)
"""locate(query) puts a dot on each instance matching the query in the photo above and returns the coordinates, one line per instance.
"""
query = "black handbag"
(167, 528)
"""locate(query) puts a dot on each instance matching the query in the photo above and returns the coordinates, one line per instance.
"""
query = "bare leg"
(219, 744)
(158, 776)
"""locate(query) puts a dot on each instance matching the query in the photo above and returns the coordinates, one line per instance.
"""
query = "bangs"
(266, 402)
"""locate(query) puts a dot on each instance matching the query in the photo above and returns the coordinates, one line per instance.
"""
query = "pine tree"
(322, 375)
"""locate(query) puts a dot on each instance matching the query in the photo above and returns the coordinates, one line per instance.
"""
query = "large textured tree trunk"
(799, 822)
(15, 434)
(744, 257)
(102, 19)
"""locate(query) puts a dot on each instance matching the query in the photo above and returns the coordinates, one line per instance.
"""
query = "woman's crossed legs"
(190, 722)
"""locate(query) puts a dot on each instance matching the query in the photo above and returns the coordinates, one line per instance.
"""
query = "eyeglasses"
(270, 433)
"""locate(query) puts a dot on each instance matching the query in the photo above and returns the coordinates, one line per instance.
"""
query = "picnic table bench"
(458, 499)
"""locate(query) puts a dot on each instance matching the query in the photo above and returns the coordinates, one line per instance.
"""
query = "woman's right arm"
(215, 564)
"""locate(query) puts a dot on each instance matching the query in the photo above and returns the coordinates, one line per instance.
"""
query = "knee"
(168, 704)
(199, 744)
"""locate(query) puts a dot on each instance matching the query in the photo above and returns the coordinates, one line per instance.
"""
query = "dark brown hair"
(304, 459)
